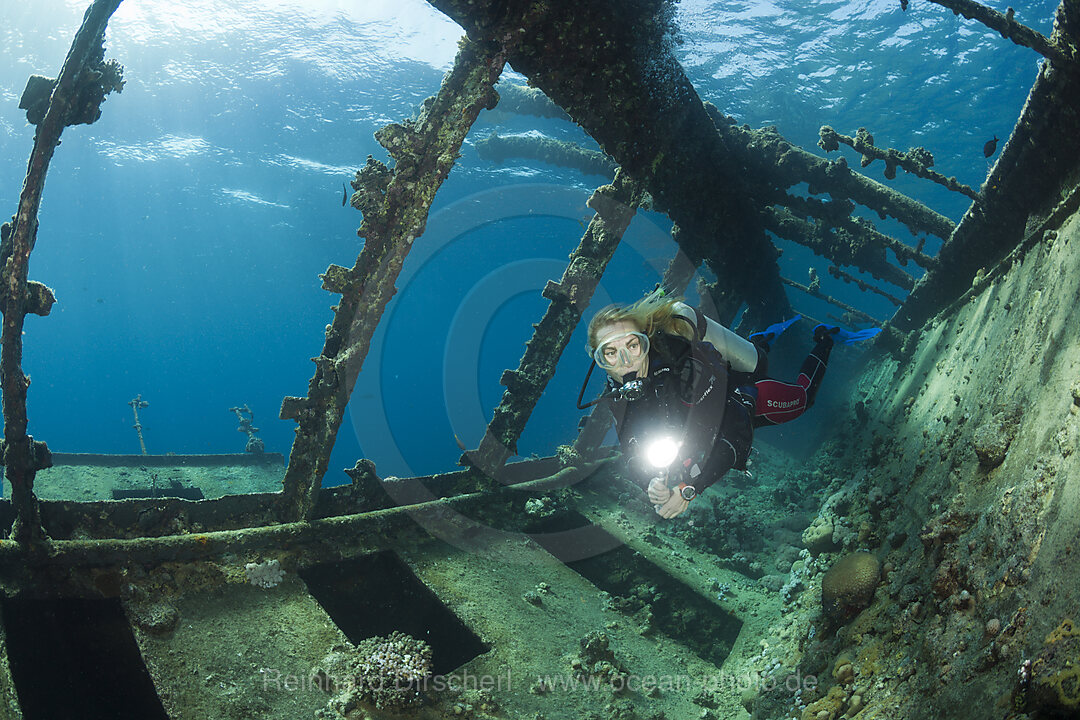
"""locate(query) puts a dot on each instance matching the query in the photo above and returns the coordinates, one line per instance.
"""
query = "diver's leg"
(778, 402)
(761, 370)
(813, 368)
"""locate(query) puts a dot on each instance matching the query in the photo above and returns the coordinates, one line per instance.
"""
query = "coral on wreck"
(598, 660)
(266, 574)
(848, 586)
(992, 439)
(387, 672)
(99, 78)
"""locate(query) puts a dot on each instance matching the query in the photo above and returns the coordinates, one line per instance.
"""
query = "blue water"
(183, 233)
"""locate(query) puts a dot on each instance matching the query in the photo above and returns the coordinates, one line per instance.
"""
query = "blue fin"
(776, 329)
(846, 337)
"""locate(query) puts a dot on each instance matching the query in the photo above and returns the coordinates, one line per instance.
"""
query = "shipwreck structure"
(955, 468)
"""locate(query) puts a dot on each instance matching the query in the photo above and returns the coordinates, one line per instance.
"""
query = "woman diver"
(686, 392)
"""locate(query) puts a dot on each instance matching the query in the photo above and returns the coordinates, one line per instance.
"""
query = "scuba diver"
(686, 392)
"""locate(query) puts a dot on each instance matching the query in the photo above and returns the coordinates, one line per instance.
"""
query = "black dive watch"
(688, 492)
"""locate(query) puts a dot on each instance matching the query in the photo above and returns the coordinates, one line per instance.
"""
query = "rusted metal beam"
(499, 148)
(303, 543)
(23, 456)
(846, 247)
(838, 214)
(395, 204)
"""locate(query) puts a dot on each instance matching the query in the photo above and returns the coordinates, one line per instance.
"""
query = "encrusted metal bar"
(395, 206)
(916, 161)
(855, 313)
(615, 206)
(499, 148)
(23, 456)
(837, 244)
(856, 234)
(780, 164)
(525, 100)
(309, 542)
(864, 286)
(569, 154)
(838, 214)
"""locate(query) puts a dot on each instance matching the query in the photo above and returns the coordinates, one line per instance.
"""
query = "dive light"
(661, 452)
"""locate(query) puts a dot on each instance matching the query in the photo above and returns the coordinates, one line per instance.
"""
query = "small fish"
(460, 444)
(990, 147)
(344, 195)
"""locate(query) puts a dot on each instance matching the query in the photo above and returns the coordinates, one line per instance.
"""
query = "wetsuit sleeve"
(738, 351)
(731, 449)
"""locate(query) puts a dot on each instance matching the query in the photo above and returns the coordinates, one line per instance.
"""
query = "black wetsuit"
(686, 396)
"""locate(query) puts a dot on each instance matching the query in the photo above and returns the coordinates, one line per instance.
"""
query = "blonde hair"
(652, 314)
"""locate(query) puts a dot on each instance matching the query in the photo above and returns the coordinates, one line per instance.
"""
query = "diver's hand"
(659, 492)
(674, 506)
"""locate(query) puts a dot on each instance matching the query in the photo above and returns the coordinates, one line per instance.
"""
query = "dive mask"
(624, 350)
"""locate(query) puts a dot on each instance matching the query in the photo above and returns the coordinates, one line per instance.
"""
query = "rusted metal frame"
(836, 213)
(23, 456)
(837, 245)
(610, 66)
(864, 286)
(615, 207)
(854, 312)
(524, 100)
(1010, 29)
(395, 206)
(155, 517)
